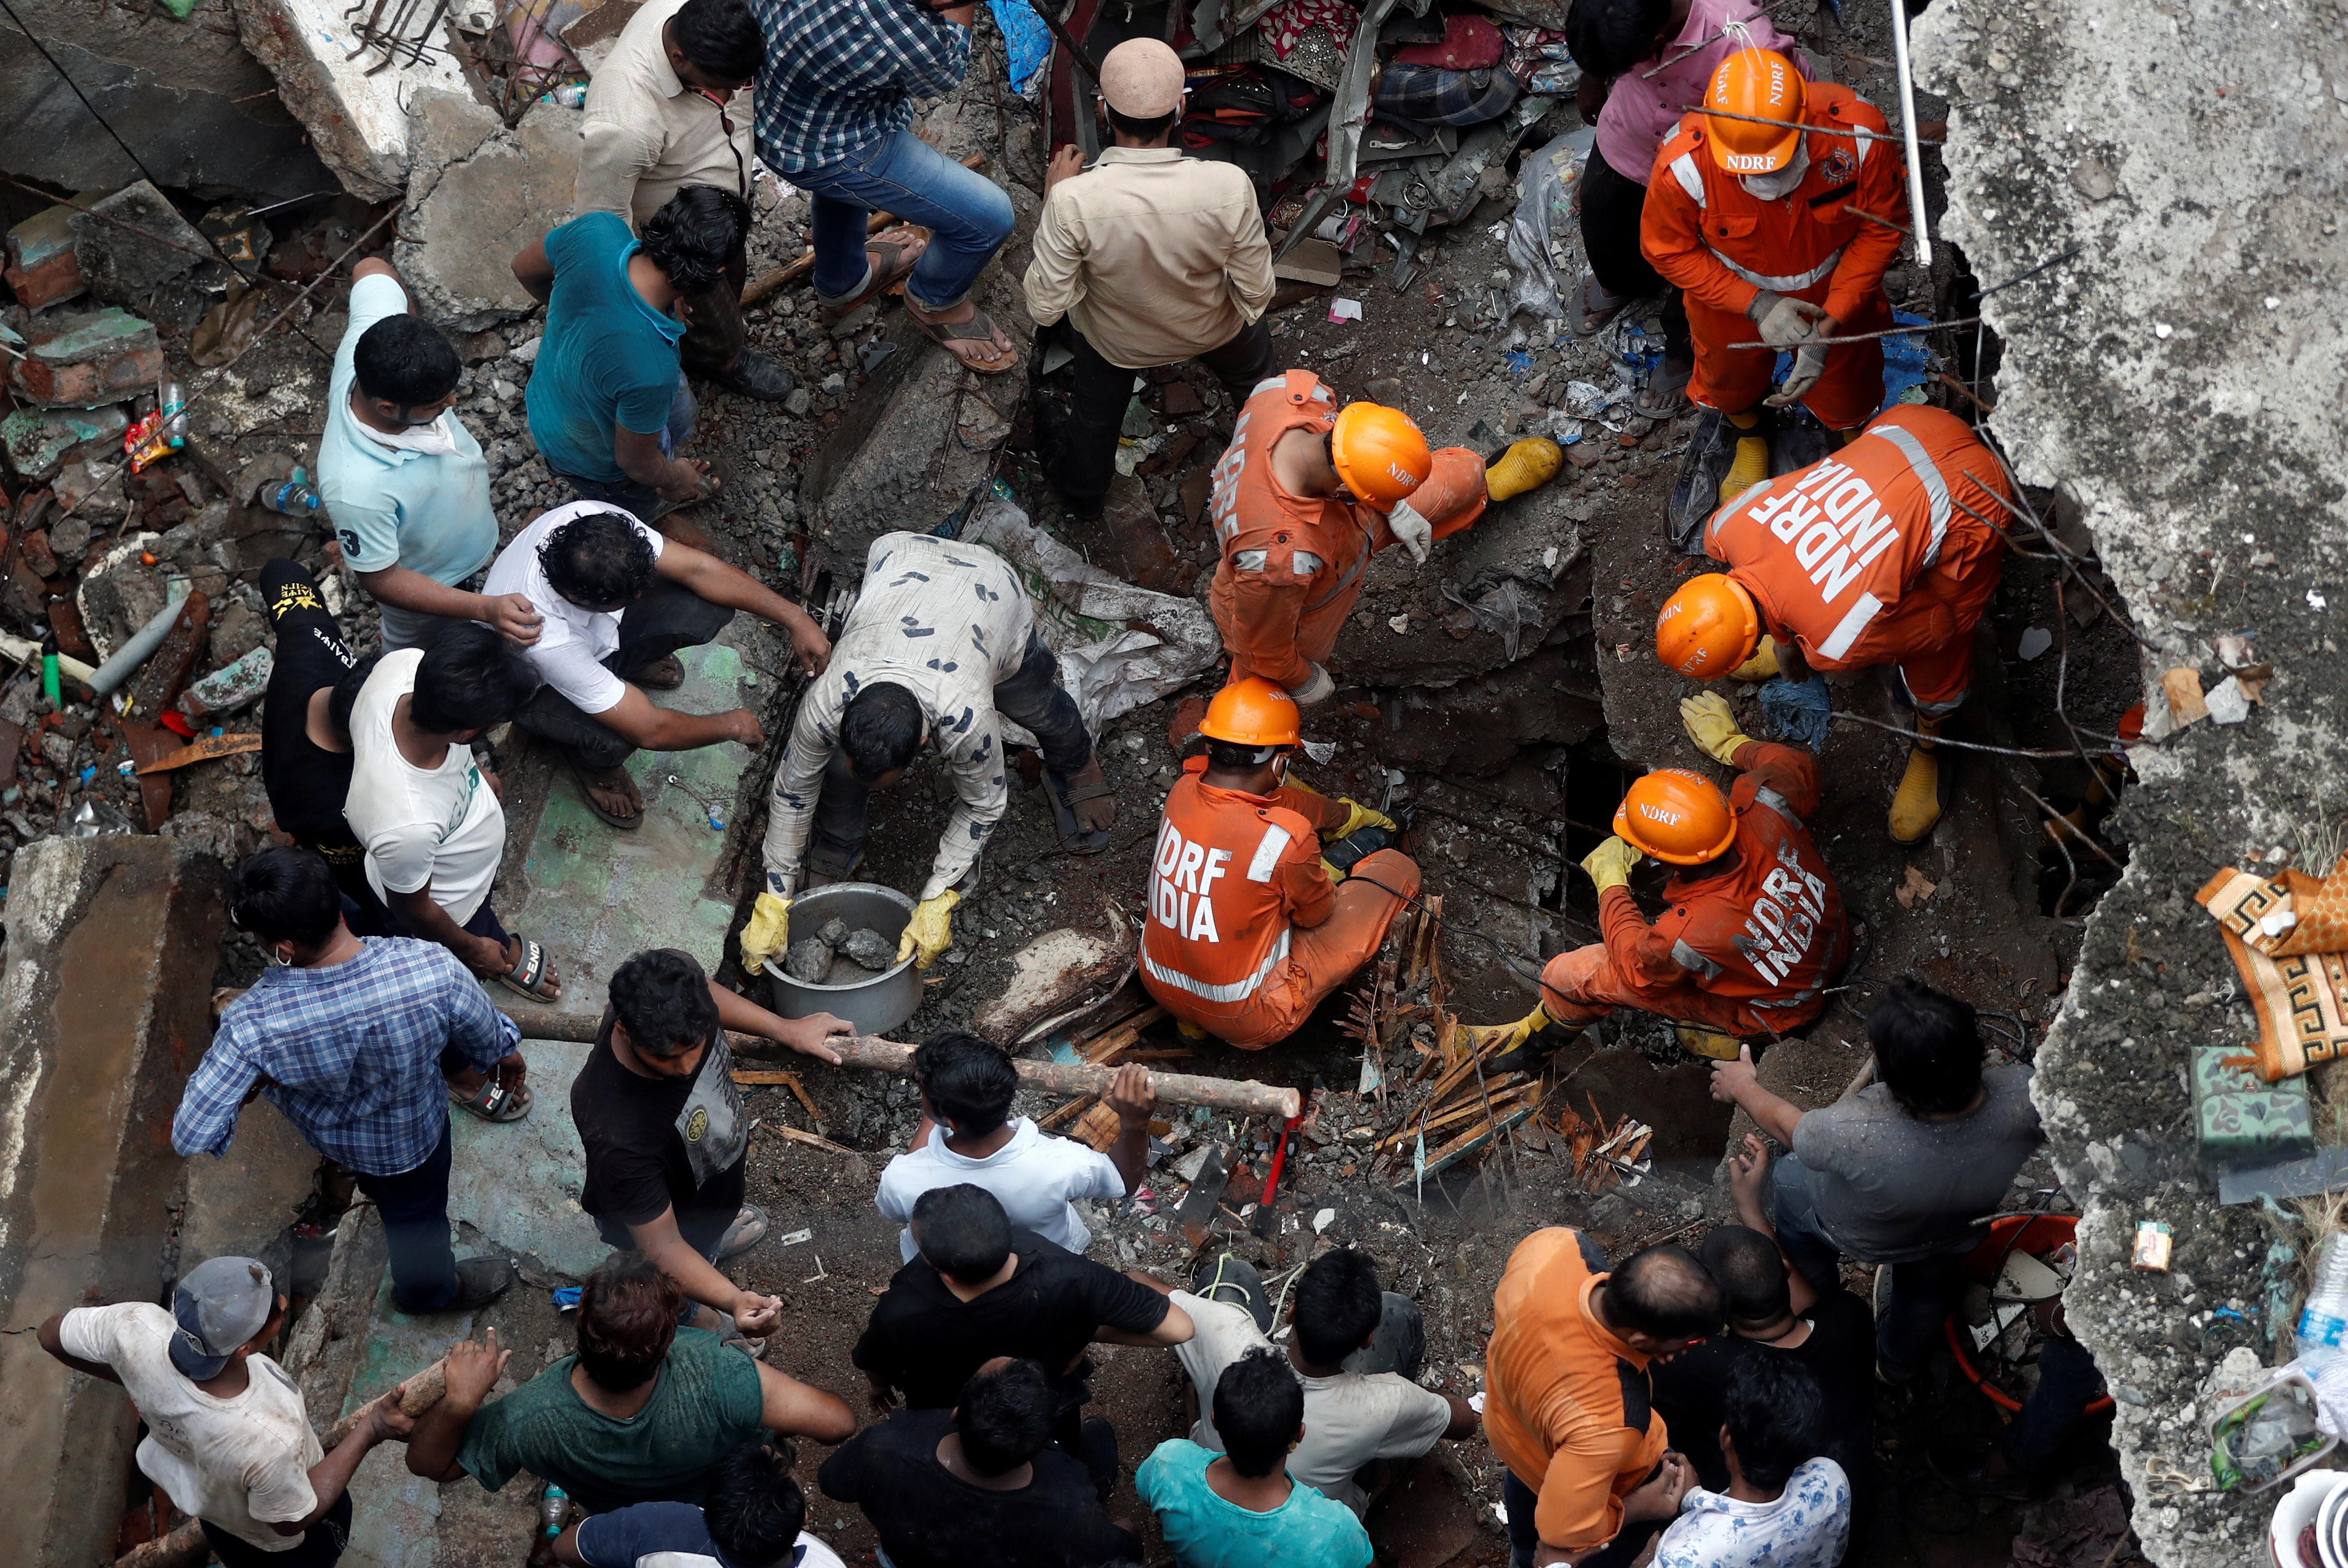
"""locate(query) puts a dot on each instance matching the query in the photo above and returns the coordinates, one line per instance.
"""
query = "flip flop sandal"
(1065, 797)
(979, 328)
(494, 1101)
(748, 1229)
(529, 973)
(894, 266)
(1665, 396)
(664, 674)
(1593, 317)
(587, 787)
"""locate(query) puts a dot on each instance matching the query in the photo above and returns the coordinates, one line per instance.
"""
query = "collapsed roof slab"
(358, 121)
(2180, 374)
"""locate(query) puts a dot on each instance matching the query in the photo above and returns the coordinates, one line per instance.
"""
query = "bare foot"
(614, 793)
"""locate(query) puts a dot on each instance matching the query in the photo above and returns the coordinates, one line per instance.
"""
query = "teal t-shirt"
(608, 359)
(707, 1402)
(1206, 1531)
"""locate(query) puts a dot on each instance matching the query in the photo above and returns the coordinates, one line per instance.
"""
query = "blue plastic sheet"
(1026, 37)
(1796, 713)
(1907, 362)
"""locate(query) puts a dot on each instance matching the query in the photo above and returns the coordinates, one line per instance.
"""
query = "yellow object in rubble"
(1527, 465)
(1751, 466)
(1705, 1042)
(1761, 666)
(1916, 804)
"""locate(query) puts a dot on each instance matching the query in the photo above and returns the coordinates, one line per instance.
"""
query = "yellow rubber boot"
(1752, 464)
(1761, 666)
(1188, 1030)
(1707, 1042)
(1527, 465)
(1916, 805)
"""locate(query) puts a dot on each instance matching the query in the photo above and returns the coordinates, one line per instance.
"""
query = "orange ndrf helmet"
(1379, 454)
(1708, 628)
(1763, 83)
(1251, 712)
(1676, 816)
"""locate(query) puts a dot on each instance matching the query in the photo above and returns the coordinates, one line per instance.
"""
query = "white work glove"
(1418, 534)
(1784, 322)
(1317, 687)
(1809, 364)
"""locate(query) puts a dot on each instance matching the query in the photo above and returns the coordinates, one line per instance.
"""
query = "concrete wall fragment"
(477, 194)
(357, 122)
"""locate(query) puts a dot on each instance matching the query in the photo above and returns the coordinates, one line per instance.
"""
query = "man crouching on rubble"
(1250, 926)
(1755, 932)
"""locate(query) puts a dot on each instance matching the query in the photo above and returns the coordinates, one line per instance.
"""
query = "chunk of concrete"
(84, 359)
(244, 1202)
(105, 1005)
(42, 266)
(133, 243)
(870, 949)
(895, 460)
(40, 442)
(809, 960)
(357, 122)
(477, 193)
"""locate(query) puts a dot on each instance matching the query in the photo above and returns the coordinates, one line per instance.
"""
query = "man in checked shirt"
(362, 1043)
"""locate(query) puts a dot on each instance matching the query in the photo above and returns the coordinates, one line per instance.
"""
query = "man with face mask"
(1755, 210)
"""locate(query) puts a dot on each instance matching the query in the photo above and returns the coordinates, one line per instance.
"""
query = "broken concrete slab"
(477, 194)
(134, 241)
(105, 1006)
(358, 122)
(244, 1203)
(518, 1184)
(42, 267)
(40, 442)
(84, 359)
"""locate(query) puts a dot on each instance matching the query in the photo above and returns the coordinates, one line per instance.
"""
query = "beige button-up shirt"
(646, 135)
(1155, 257)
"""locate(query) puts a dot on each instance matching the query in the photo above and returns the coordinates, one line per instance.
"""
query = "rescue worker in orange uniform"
(1877, 555)
(1754, 934)
(1759, 226)
(1302, 497)
(1249, 928)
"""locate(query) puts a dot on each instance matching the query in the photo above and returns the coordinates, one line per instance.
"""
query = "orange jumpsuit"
(1245, 933)
(1702, 230)
(1291, 565)
(1747, 950)
(1867, 558)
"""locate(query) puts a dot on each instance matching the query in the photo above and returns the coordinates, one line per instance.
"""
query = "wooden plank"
(1104, 1049)
(812, 1139)
(1473, 1143)
(1501, 1100)
(204, 751)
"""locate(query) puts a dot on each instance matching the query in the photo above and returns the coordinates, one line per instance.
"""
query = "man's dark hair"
(1607, 38)
(1259, 1405)
(1338, 1304)
(627, 1321)
(963, 1230)
(966, 1080)
(880, 729)
(1775, 1414)
(721, 36)
(754, 1509)
(599, 560)
(693, 237)
(470, 679)
(1664, 1293)
(1751, 1276)
(1005, 1416)
(1149, 129)
(661, 996)
(346, 691)
(403, 359)
(284, 893)
(1230, 757)
(1926, 1047)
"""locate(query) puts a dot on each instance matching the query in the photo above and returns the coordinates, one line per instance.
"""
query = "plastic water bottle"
(295, 497)
(553, 1510)
(2323, 1333)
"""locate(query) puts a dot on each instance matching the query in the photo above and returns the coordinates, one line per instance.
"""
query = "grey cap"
(219, 1304)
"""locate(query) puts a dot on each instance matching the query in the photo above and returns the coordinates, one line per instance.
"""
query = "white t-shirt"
(241, 1463)
(1807, 1527)
(1033, 1176)
(1349, 1420)
(573, 642)
(441, 825)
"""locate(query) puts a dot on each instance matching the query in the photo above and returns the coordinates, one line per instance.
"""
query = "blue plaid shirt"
(842, 74)
(350, 1052)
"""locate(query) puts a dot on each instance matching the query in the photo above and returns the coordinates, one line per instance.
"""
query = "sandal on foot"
(1066, 796)
(589, 782)
(530, 972)
(892, 264)
(664, 674)
(979, 329)
(493, 1101)
(1596, 308)
(1665, 394)
(748, 1229)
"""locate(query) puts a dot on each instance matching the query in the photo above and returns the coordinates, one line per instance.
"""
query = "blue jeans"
(1921, 1288)
(643, 501)
(969, 217)
(2067, 1379)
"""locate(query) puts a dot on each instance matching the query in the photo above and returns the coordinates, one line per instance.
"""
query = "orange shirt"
(1232, 873)
(1566, 1401)
(1867, 555)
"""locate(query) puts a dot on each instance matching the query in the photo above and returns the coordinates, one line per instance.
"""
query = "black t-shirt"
(656, 1143)
(927, 1517)
(1839, 1353)
(926, 1343)
(306, 783)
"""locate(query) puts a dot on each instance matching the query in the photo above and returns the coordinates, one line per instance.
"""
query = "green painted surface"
(518, 1182)
(395, 1516)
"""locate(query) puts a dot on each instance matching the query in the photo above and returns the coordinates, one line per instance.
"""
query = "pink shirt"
(1641, 110)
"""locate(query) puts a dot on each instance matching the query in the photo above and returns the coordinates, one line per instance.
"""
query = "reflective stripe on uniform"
(1690, 176)
(1268, 383)
(1251, 560)
(1344, 581)
(1854, 621)
(1238, 990)
(1777, 803)
(1792, 282)
(1928, 474)
(1695, 962)
(1267, 854)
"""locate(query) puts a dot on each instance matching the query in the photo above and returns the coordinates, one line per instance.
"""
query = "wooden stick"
(795, 1136)
(183, 1548)
(789, 272)
(417, 1395)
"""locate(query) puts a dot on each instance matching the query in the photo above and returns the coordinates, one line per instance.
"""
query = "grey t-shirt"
(1888, 1188)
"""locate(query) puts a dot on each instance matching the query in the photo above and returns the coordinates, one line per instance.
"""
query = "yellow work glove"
(1336, 876)
(767, 932)
(1713, 727)
(1362, 817)
(1610, 864)
(930, 932)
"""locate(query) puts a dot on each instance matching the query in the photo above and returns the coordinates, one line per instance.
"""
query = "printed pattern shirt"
(840, 74)
(949, 622)
(350, 1052)
(1807, 1526)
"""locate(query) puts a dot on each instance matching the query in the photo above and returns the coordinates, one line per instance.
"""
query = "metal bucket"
(876, 1005)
